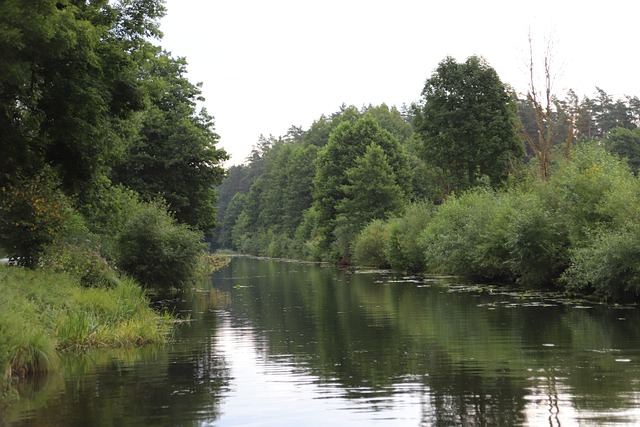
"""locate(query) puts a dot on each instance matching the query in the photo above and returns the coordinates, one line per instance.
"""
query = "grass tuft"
(43, 313)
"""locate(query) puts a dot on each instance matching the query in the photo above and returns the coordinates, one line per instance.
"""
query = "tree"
(69, 84)
(348, 142)
(231, 215)
(553, 124)
(296, 193)
(467, 123)
(175, 155)
(70, 88)
(392, 121)
(320, 130)
(372, 192)
(626, 144)
(609, 113)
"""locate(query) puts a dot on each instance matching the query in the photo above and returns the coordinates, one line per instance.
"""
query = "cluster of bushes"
(578, 231)
(88, 273)
(115, 235)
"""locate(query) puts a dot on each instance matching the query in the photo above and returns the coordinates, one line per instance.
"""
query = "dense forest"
(108, 171)
(111, 180)
(475, 180)
(107, 163)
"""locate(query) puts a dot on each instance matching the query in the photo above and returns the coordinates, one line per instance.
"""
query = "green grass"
(43, 313)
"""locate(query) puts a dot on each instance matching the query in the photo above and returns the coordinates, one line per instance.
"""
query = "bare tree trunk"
(542, 102)
(541, 145)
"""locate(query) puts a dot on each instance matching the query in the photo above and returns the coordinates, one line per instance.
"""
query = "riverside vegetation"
(471, 181)
(108, 180)
(96, 123)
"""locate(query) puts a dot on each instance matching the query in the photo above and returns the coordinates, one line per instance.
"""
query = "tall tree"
(175, 155)
(556, 121)
(626, 144)
(347, 143)
(391, 120)
(69, 83)
(320, 130)
(612, 113)
(279, 196)
(231, 215)
(467, 122)
(372, 192)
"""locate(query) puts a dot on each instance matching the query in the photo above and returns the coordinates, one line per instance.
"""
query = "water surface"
(273, 343)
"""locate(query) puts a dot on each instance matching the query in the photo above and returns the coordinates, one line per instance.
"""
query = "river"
(276, 343)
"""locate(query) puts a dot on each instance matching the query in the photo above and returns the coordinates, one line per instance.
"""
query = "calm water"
(286, 344)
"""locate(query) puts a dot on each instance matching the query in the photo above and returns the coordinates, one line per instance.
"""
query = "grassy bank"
(44, 313)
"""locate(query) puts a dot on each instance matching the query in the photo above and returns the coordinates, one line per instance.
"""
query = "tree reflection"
(482, 358)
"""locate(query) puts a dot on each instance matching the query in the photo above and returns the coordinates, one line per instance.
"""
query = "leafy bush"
(157, 251)
(31, 216)
(609, 265)
(369, 248)
(280, 246)
(84, 261)
(536, 241)
(307, 242)
(105, 216)
(467, 237)
(403, 251)
(585, 192)
(344, 234)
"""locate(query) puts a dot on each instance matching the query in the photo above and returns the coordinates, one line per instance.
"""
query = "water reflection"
(464, 357)
(180, 384)
(286, 344)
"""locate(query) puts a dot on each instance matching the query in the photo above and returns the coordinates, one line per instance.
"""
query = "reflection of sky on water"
(279, 391)
(268, 388)
(551, 404)
(267, 392)
(307, 346)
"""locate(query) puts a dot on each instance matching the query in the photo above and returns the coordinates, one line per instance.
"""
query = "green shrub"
(157, 251)
(109, 208)
(307, 242)
(609, 265)
(82, 260)
(105, 216)
(467, 235)
(240, 236)
(31, 216)
(591, 190)
(79, 252)
(280, 246)
(344, 233)
(537, 242)
(369, 248)
(403, 250)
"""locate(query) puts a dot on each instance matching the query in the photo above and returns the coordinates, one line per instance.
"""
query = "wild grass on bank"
(43, 313)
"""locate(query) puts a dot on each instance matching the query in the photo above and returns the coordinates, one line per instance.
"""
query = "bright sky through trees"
(268, 65)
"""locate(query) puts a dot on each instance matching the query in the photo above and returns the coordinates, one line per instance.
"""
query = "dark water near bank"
(285, 344)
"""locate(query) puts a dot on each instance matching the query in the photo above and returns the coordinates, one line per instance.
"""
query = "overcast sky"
(268, 65)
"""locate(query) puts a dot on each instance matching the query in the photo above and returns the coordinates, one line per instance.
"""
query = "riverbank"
(45, 313)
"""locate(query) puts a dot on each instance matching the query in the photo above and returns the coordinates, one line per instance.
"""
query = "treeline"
(471, 180)
(106, 163)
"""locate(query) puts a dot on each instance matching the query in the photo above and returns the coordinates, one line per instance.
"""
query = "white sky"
(268, 65)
